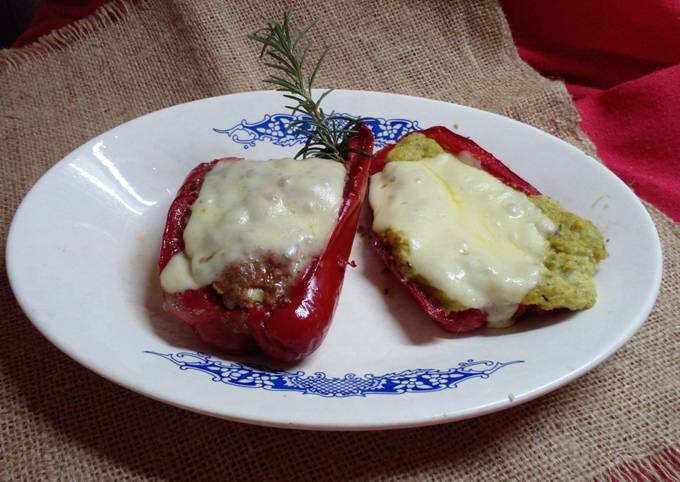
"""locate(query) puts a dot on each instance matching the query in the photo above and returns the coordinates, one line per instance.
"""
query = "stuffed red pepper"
(254, 252)
(474, 243)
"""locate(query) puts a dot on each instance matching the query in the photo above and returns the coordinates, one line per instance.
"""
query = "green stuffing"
(571, 260)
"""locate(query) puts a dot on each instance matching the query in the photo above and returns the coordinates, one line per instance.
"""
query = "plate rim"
(639, 317)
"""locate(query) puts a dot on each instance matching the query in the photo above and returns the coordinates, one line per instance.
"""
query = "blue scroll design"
(277, 129)
(419, 380)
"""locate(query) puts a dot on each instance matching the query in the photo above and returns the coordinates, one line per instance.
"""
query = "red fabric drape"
(621, 62)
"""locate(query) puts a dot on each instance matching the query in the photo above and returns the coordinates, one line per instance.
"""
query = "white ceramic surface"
(82, 249)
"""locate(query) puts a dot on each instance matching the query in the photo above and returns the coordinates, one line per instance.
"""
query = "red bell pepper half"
(288, 331)
(455, 321)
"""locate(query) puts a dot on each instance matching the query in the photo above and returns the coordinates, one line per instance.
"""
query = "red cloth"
(636, 128)
(621, 62)
(54, 14)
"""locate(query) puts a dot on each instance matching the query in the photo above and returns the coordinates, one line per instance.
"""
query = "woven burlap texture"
(60, 421)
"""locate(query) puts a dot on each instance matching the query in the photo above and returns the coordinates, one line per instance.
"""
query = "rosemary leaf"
(286, 51)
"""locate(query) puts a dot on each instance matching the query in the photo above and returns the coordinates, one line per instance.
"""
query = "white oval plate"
(82, 248)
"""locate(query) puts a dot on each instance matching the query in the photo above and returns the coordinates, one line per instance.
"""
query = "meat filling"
(262, 281)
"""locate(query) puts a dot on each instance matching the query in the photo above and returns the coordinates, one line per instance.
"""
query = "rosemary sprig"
(285, 52)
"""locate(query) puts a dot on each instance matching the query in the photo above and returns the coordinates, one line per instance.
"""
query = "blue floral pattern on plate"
(276, 129)
(417, 380)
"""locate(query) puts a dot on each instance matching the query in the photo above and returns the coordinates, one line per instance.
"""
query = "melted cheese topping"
(469, 235)
(246, 209)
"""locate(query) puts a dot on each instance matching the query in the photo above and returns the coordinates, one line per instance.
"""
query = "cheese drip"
(246, 209)
(478, 241)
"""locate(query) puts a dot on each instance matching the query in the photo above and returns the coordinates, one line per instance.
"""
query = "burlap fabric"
(60, 421)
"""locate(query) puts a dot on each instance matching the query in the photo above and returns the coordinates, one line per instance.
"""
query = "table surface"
(95, 435)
